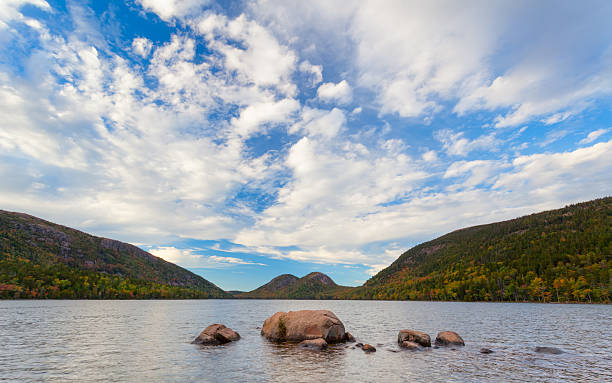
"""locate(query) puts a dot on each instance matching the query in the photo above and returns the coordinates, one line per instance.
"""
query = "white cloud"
(263, 61)
(10, 10)
(252, 117)
(420, 58)
(142, 46)
(190, 258)
(593, 136)
(430, 156)
(322, 123)
(458, 145)
(340, 92)
(315, 72)
(169, 9)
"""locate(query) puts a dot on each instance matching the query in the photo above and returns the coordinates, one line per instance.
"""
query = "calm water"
(149, 341)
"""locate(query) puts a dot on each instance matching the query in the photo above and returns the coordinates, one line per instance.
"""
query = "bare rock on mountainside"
(296, 326)
(413, 336)
(449, 338)
(216, 334)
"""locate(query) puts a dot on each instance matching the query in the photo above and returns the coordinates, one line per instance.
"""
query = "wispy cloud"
(593, 136)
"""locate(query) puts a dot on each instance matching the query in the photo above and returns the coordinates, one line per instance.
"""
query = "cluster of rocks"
(316, 329)
(415, 340)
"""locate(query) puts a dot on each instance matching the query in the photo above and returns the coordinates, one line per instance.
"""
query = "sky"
(246, 139)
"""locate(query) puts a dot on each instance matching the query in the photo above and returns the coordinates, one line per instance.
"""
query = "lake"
(149, 341)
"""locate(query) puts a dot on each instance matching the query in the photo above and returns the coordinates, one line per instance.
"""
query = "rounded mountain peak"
(320, 277)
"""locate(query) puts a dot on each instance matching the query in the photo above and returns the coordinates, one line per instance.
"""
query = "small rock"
(409, 345)
(316, 344)
(449, 338)
(360, 345)
(486, 351)
(414, 336)
(368, 348)
(380, 344)
(216, 334)
(548, 350)
(348, 337)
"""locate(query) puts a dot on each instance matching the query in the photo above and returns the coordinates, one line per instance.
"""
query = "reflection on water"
(149, 341)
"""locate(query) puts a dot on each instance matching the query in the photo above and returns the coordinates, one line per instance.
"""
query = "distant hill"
(312, 286)
(562, 255)
(40, 259)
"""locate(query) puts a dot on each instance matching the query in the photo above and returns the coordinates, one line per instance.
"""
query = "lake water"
(149, 341)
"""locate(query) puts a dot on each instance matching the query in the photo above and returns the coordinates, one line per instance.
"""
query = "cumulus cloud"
(169, 9)
(262, 61)
(142, 46)
(340, 92)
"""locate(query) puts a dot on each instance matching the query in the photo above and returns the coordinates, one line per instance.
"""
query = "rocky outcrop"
(548, 350)
(296, 326)
(216, 334)
(315, 344)
(413, 336)
(449, 338)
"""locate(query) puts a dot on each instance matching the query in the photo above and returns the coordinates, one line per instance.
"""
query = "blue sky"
(247, 139)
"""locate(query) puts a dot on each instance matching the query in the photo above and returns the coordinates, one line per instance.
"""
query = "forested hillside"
(39, 259)
(562, 255)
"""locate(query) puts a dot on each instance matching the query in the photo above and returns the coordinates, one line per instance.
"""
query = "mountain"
(40, 259)
(562, 255)
(312, 286)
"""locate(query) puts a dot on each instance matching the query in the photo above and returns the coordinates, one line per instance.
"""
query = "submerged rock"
(486, 351)
(413, 336)
(409, 345)
(296, 326)
(449, 338)
(548, 350)
(216, 334)
(368, 348)
(316, 344)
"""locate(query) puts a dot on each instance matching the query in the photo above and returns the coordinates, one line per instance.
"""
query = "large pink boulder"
(216, 334)
(296, 326)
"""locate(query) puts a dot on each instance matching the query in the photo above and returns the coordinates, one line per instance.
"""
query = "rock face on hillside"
(405, 337)
(322, 278)
(296, 326)
(216, 334)
(449, 338)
